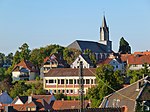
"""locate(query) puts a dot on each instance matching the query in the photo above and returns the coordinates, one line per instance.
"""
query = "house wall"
(75, 64)
(15, 75)
(47, 67)
(18, 102)
(70, 89)
(32, 75)
(136, 67)
(117, 65)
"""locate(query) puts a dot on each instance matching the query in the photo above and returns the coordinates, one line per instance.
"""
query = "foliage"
(16, 58)
(70, 55)
(24, 52)
(145, 71)
(60, 96)
(2, 58)
(2, 74)
(6, 84)
(124, 47)
(36, 57)
(91, 55)
(18, 89)
(21, 88)
(106, 80)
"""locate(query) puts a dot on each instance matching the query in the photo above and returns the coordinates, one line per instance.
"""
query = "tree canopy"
(106, 80)
(124, 47)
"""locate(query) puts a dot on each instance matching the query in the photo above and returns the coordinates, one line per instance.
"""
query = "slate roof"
(93, 46)
(59, 72)
(86, 58)
(145, 93)
(127, 96)
(5, 98)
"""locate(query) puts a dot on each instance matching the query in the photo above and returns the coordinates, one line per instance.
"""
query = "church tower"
(104, 36)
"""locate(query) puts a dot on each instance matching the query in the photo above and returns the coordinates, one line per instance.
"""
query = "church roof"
(93, 46)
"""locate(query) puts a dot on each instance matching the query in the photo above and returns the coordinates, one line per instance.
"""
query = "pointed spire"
(104, 22)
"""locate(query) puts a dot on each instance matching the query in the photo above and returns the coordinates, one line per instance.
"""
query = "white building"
(66, 80)
(85, 59)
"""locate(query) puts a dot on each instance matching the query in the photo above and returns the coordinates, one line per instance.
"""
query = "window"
(54, 91)
(58, 81)
(87, 81)
(63, 91)
(67, 91)
(116, 66)
(75, 81)
(71, 91)
(58, 91)
(28, 109)
(70, 81)
(62, 81)
(67, 81)
(78, 81)
(51, 81)
(46, 81)
(92, 81)
(31, 109)
(134, 65)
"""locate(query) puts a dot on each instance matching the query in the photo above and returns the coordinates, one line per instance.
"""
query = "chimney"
(29, 99)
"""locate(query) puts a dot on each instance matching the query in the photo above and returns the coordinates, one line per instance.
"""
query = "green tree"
(60, 96)
(2, 59)
(107, 82)
(145, 71)
(18, 89)
(91, 55)
(124, 47)
(2, 74)
(134, 75)
(36, 57)
(16, 58)
(24, 51)
(6, 84)
(9, 58)
(70, 55)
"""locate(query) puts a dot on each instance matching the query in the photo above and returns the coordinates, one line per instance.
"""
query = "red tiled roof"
(138, 59)
(68, 104)
(143, 53)
(106, 61)
(25, 64)
(40, 101)
(44, 97)
(124, 57)
(69, 72)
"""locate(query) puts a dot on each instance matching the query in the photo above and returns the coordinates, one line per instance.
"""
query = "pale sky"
(43, 22)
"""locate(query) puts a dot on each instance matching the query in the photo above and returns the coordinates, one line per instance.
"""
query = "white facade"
(136, 67)
(16, 75)
(67, 85)
(75, 64)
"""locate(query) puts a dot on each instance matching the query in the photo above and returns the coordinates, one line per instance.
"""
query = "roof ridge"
(124, 87)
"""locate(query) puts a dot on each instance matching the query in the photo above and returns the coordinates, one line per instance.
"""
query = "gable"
(18, 101)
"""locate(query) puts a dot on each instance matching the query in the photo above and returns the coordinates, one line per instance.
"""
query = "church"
(102, 48)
